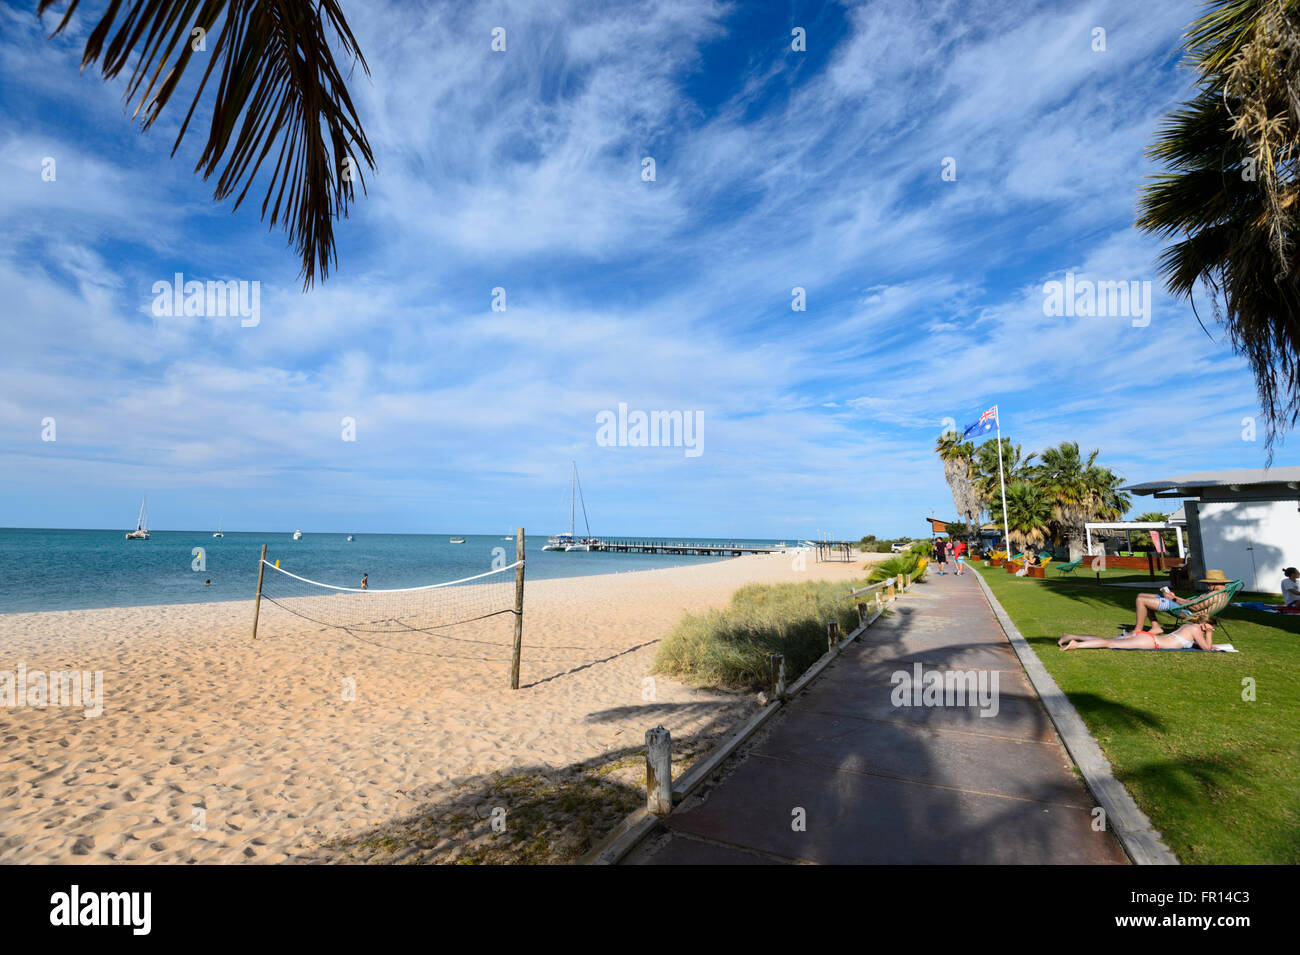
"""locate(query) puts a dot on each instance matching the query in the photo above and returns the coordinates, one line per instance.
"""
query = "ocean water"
(80, 569)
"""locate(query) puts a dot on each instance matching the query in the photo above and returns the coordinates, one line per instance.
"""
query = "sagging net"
(429, 609)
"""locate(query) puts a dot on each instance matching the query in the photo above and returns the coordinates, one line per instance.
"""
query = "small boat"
(218, 533)
(457, 540)
(141, 532)
(350, 537)
(297, 535)
(558, 542)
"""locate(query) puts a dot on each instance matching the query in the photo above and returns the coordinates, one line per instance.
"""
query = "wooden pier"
(684, 547)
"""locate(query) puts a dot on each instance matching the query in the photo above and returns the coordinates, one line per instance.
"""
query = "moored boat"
(141, 532)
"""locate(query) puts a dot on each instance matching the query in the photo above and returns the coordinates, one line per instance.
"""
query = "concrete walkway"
(881, 783)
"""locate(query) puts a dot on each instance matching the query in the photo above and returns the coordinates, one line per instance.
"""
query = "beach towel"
(1256, 605)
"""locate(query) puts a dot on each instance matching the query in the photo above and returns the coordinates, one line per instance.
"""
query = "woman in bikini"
(1189, 635)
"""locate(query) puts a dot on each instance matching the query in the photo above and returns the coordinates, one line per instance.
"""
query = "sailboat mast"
(582, 500)
(573, 483)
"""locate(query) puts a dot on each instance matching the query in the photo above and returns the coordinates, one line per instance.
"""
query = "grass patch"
(729, 648)
(1217, 775)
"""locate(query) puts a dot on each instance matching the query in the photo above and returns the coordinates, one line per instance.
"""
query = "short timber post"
(658, 771)
(257, 604)
(776, 670)
(519, 609)
(832, 634)
(862, 614)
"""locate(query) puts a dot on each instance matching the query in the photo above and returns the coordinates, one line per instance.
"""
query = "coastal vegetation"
(1050, 495)
(1207, 743)
(912, 563)
(1229, 189)
(278, 92)
(729, 648)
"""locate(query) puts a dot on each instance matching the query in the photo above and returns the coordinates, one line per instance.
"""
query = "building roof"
(1191, 485)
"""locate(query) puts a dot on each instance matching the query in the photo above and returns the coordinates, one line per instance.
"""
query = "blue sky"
(522, 170)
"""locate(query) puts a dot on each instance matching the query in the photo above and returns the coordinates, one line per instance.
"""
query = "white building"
(1245, 523)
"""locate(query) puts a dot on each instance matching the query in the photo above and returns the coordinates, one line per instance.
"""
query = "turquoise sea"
(78, 569)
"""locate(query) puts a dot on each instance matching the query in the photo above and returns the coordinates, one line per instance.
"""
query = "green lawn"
(1219, 776)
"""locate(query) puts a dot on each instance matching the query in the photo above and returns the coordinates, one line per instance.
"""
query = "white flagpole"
(1002, 481)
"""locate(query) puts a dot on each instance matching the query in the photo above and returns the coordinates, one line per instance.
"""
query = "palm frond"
(278, 85)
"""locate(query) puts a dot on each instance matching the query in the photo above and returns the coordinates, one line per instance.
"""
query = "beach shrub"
(729, 648)
(908, 563)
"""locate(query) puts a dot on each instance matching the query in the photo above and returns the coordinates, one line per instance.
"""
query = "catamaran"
(141, 532)
(567, 542)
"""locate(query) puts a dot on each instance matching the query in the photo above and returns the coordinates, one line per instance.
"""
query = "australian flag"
(987, 422)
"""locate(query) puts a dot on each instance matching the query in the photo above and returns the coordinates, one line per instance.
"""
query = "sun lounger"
(1207, 605)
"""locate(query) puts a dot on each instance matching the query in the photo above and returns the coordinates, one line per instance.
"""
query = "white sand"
(258, 735)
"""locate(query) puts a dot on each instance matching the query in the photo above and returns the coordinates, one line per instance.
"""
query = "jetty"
(685, 547)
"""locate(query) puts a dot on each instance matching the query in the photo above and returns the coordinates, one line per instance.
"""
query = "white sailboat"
(218, 533)
(141, 532)
(297, 535)
(568, 542)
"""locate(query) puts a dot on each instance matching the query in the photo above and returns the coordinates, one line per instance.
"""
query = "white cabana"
(1136, 526)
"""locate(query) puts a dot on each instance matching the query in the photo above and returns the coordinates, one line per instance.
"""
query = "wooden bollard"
(878, 607)
(832, 634)
(862, 614)
(658, 771)
(776, 670)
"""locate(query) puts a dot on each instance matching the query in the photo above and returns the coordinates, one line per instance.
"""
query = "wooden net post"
(257, 604)
(519, 609)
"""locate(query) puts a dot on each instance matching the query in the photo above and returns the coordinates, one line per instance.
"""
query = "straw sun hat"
(1214, 577)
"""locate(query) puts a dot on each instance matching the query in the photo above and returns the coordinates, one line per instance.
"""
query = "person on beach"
(1189, 635)
(1147, 604)
(365, 581)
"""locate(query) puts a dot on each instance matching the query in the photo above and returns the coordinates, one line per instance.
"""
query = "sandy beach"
(305, 744)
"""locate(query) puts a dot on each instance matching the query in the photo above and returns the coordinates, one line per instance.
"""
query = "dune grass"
(1217, 773)
(729, 648)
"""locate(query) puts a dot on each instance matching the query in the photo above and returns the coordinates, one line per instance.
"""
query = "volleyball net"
(428, 609)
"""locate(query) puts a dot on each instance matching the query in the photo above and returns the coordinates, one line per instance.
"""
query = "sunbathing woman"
(1189, 635)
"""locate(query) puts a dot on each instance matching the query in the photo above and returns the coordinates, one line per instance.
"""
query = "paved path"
(880, 783)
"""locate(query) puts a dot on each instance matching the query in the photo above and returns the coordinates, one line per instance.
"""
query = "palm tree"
(1232, 190)
(957, 471)
(986, 480)
(1029, 515)
(1080, 490)
(278, 83)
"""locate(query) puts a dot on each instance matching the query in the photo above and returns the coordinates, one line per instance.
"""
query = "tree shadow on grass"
(531, 814)
(1112, 713)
